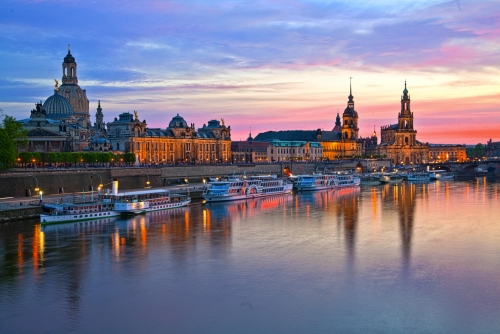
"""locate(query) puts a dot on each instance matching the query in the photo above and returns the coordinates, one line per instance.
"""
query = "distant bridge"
(491, 166)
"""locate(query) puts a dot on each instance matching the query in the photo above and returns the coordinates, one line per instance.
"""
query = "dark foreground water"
(409, 258)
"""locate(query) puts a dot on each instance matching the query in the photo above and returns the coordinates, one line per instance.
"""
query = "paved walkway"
(10, 203)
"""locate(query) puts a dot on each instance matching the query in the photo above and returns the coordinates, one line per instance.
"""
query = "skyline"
(265, 65)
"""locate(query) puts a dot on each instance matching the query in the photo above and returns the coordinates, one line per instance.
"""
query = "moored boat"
(314, 182)
(234, 188)
(113, 205)
(418, 177)
(391, 178)
(439, 174)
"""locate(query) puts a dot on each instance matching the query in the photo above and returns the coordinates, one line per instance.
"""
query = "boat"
(235, 188)
(114, 204)
(139, 202)
(344, 180)
(439, 174)
(311, 182)
(418, 177)
(391, 178)
(370, 180)
(72, 212)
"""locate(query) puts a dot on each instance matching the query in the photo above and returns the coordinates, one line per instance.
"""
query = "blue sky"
(268, 65)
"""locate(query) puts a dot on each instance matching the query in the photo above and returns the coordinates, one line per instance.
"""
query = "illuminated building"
(178, 143)
(399, 141)
(444, 152)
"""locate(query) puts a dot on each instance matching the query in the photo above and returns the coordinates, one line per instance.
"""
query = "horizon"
(264, 65)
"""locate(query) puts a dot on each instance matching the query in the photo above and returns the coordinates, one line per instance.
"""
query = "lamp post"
(36, 180)
(100, 185)
(148, 184)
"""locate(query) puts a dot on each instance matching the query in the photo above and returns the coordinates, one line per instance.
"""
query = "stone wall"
(15, 183)
(20, 213)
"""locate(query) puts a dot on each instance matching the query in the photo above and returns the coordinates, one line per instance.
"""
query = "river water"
(420, 258)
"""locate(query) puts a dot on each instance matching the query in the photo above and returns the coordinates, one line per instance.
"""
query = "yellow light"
(37, 189)
(41, 192)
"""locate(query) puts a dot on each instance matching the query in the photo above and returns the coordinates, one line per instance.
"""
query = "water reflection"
(341, 250)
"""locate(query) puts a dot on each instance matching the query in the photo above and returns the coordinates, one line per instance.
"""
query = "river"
(415, 258)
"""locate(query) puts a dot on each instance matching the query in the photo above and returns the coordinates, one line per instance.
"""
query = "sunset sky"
(263, 64)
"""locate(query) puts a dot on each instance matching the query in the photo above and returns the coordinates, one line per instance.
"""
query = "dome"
(348, 112)
(405, 91)
(102, 141)
(177, 122)
(69, 58)
(58, 106)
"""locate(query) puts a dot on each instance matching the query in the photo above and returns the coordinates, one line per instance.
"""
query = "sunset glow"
(264, 65)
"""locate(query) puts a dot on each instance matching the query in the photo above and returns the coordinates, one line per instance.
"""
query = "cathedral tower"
(70, 89)
(350, 119)
(99, 118)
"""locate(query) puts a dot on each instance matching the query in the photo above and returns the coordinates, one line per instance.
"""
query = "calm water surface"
(407, 258)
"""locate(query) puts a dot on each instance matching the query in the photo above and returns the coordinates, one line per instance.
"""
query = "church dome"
(177, 122)
(58, 106)
(69, 58)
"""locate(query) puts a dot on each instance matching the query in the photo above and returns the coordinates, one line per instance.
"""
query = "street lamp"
(36, 180)
(148, 184)
(99, 187)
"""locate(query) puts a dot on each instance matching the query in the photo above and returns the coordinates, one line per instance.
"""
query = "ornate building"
(62, 123)
(249, 150)
(447, 152)
(399, 141)
(341, 142)
(178, 143)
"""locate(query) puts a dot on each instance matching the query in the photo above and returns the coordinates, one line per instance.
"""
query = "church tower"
(99, 118)
(338, 124)
(350, 119)
(405, 135)
(70, 89)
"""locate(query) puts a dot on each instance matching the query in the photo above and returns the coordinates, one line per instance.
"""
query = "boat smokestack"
(115, 187)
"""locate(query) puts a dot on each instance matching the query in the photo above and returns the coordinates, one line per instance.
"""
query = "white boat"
(113, 205)
(234, 189)
(346, 180)
(441, 175)
(391, 178)
(143, 201)
(314, 182)
(418, 177)
(72, 212)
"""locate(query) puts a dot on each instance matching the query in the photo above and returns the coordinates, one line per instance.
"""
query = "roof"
(57, 106)
(308, 135)
(39, 132)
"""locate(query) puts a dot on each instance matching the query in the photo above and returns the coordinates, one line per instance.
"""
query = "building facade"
(399, 141)
(62, 122)
(444, 152)
(341, 142)
(295, 150)
(178, 143)
(249, 151)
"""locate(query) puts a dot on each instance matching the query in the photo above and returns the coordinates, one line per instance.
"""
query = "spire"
(350, 90)
(337, 120)
(405, 91)
(250, 136)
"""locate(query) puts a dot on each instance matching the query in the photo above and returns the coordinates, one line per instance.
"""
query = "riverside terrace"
(19, 182)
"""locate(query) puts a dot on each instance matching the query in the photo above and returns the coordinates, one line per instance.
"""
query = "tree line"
(74, 158)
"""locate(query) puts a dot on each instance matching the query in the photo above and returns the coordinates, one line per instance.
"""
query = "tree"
(129, 158)
(15, 131)
(8, 153)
